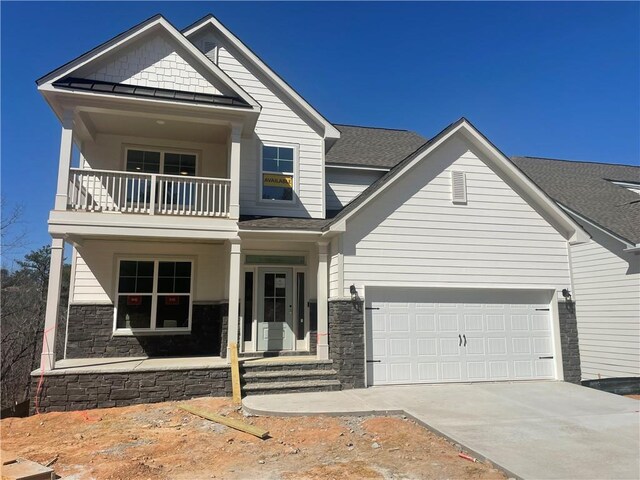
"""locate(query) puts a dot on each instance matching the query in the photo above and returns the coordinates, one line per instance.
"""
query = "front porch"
(85, 383)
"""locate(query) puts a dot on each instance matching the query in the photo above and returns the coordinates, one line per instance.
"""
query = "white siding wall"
(607, 294)
(344, 185)
(334, 273)
(153, 63)
(412, 235)
(95, 267)
(278, 123)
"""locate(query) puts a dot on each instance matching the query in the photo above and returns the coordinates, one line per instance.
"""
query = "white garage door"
(431, 336)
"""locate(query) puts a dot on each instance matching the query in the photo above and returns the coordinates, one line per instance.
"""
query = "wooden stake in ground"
(229, 422)
(235, 374)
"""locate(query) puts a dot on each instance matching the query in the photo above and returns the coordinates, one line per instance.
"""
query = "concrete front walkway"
(532, 430)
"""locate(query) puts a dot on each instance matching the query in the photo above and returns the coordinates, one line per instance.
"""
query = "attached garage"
(454, 335)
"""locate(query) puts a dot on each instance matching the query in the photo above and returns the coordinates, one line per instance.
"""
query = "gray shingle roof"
(282, 223)
(587, 189)
(372, 147)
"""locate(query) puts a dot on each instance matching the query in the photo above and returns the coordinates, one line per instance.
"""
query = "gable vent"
(210, 50)
(458, 187)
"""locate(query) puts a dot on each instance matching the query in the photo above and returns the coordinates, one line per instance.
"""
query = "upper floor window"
(278, 177)
(169, 163)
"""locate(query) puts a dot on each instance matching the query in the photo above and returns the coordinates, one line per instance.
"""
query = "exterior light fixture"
(355, 298)
(566, 293)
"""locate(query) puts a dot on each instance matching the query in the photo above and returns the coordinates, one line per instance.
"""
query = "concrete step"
(280, 364)
(291, 387)
(287, 376)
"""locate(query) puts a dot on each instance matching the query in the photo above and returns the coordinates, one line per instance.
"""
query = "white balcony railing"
(147, 193)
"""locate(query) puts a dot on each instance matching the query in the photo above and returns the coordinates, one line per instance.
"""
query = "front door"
(275, 309)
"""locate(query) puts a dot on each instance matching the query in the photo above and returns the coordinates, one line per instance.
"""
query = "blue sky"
(543, 79)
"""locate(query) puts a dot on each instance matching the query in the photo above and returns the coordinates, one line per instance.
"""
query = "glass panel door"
(275, 316)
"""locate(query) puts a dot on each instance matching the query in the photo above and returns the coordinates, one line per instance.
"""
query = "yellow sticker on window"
(273, 180)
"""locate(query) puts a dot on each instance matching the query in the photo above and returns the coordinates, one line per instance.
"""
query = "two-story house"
(210, 204)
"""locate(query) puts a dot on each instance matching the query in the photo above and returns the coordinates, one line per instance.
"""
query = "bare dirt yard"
(161, 441)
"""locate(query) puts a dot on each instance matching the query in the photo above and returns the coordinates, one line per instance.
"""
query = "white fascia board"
(629, 246)
(574, 231)
(634, 249)
(330, 132)
(123, 40)
(357, 167)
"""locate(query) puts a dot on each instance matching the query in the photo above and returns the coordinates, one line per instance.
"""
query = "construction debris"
(235, 374)
(467, 457)
(235, 424)
(14, 468)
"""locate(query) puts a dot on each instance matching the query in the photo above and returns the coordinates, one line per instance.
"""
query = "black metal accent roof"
(73, 83)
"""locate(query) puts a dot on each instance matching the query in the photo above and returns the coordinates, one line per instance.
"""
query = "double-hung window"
(154, 295)
(278, 177)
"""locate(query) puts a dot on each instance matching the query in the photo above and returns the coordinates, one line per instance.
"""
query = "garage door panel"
(451, 371)
(399, 347)
(427, 372)
(476, 371)
(399, 322)
(523, 369)
(450, 347)
(422, 341)
(499, 370)
(427, 347)
(425, 322)
(496, 346)
(521, 346)
(448, 322)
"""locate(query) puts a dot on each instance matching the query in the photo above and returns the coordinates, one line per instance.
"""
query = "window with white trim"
(154, 295)
(277, 176)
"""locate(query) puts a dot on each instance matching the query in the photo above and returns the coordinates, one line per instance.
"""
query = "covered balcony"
(125, 171)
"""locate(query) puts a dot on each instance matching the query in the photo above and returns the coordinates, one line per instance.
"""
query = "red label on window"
(134, 300)
(174, 300)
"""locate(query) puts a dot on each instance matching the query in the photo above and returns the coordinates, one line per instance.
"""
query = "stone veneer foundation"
(90, 335)
(61, 391)
(569, 342)
(346, 342)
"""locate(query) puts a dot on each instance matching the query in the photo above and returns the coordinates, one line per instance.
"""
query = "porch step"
(291, 387)
(288, 376)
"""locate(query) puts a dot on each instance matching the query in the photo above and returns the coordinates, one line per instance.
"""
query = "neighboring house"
(605, 200)
(212, 205)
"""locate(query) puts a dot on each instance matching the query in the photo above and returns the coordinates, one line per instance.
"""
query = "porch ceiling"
(154, 127)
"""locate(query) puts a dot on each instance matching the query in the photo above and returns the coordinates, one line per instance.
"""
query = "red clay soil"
(637, 397)
(161, 441)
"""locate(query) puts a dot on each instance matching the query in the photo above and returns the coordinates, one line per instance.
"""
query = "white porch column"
(48, 359)
(234, 170)
(233, 317)
(64, 163)
(323, 300)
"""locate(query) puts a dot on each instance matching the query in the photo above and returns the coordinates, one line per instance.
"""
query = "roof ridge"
(575, 161)
(374, 128)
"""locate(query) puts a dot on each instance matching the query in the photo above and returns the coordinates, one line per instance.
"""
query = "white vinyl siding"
(412, 234)
(344, 185)
(86, 288)
(334, 276)
(607, 295)
(279, 124)
(94, 278)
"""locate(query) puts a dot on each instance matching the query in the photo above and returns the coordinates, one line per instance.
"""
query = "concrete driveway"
(532, 430)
